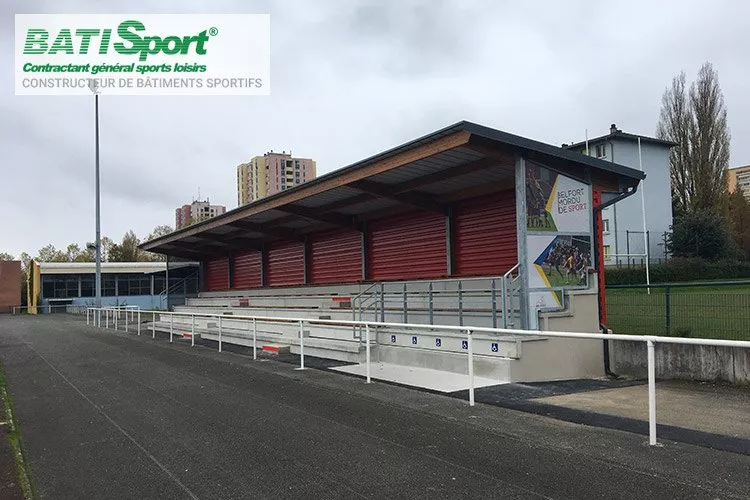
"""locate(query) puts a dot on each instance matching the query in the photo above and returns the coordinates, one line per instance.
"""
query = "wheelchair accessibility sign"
(494, 347)
(438, 342)
(393, 338)
(464, 344)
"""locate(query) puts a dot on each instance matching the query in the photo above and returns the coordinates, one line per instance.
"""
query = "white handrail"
(468, 331)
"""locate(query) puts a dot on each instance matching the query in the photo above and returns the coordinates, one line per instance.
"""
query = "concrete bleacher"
(495, 355)
(499, 357)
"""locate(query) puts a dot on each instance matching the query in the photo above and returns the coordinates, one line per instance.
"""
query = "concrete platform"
(698, 406)
(423, 378)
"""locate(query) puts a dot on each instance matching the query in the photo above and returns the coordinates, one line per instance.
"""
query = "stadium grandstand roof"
(461, 161)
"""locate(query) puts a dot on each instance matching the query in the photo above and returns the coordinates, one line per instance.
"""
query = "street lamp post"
(94, 86)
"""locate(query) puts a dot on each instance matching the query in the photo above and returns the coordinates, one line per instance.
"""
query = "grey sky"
(351, 78)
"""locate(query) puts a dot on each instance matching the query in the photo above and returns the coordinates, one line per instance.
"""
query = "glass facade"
(69, 286)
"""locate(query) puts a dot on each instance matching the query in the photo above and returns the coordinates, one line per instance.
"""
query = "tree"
(51, 254)
(127, 250)
(703, 234)
(696, 120)
(159, 231)
(6, 256)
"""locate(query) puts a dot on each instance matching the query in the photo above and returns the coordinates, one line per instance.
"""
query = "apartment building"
(196, 212)
(623, 221)
(739, 177)
(271, 173)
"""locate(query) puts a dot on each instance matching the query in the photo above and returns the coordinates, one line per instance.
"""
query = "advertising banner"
(556, 203)
(558, 235)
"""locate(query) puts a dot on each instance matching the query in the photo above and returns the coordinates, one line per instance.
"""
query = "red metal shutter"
(246, 269)
(286, 264)
(217, 274)
(407, 246)
(336, 257)
(485, 236)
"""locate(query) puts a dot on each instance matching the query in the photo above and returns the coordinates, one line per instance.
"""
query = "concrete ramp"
(425, 378)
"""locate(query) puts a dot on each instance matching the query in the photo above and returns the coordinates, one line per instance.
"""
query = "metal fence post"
(255, 339)
(470, 348)
(651, 393)
(126, 320)
(301, 347)
(382, 302)
(220, 327)
(171, 327)
(116, 317)
(192, 331)
(406, 315)
(460, 305)
(367, 350)
(667, 309)
(493, 288)
(153, 326)
(106, 318)
(139, 322)
(87, 314)
(430, 302)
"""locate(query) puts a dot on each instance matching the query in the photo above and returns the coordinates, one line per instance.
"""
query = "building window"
(606, 251)
(605, 225)
(601, 150)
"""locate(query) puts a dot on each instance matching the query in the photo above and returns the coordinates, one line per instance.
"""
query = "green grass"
(14, 438)
(717, 312)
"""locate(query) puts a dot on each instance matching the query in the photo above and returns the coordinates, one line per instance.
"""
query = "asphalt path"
(106, 414)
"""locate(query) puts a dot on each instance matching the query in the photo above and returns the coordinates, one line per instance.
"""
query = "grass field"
(720, 312)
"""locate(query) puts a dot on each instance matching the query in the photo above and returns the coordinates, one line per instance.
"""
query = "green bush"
(679, 270)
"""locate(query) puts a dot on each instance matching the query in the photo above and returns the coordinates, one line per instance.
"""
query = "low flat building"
(10, 285)
(54, 285)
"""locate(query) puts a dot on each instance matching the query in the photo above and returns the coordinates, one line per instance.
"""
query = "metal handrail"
(461, 332)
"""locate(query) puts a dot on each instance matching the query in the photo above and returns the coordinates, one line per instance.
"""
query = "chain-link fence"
(714, 310)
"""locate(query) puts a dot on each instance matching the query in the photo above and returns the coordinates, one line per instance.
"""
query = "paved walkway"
(112, 415)
(702, 407)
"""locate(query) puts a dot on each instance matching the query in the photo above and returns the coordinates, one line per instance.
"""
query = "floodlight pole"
(94, 86)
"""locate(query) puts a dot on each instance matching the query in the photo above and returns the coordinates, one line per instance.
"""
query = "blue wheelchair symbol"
(438, 342)
(464, 344)
(414, 340)
(494, 347)
(393, 338)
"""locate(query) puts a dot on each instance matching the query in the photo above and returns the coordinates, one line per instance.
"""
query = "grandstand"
(435, 231)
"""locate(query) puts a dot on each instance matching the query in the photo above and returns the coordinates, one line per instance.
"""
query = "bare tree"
(696, 120)
(674, 125)
(709, 138)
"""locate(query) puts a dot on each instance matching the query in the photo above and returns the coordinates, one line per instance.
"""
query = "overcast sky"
(350, 79)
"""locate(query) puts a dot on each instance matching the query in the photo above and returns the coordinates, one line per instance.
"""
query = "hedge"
(679, 270)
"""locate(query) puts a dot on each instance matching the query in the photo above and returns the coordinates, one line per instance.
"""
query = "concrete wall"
(560, 358)
(10, 285)
(675, 361)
